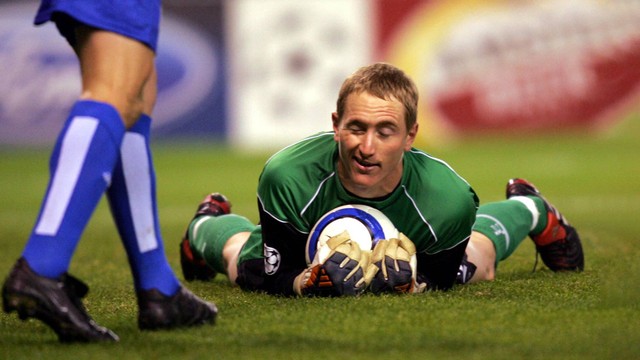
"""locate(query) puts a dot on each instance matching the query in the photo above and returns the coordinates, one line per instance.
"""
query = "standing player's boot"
(193, 266)
(56, 302)
(558, 244)
(158, 311)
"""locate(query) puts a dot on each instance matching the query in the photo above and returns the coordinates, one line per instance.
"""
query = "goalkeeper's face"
(372, 137)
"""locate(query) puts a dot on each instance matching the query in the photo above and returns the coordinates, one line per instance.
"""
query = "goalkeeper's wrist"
(300, 281)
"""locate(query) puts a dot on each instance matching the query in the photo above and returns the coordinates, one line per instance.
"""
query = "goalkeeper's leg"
(479, 262)
(219, 239)
(499, 229)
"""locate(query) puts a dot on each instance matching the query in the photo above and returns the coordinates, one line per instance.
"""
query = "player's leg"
(133, 191)
(194, 267)
(507, 223)
(557, 242)
(479, 262)
(162, 301)
(117, 70)
(81, 168)
(499, 229)
(132, 196)
(218, 240)
(88, 146)
(231, 253)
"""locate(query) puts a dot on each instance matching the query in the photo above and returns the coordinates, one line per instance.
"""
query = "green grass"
(593, 178)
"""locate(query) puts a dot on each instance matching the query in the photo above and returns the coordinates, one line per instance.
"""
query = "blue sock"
(133, 191)
(80, 171)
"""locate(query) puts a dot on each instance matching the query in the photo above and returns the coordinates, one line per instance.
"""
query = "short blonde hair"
(384, 81)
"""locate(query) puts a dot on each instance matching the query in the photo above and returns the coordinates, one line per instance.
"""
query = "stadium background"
(554, 91)
(258, 73)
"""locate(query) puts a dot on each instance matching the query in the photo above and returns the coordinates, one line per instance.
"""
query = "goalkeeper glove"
(342, 273)
(393, 267)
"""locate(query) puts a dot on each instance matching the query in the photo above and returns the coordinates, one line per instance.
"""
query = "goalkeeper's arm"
(284, 248)
(439, 270)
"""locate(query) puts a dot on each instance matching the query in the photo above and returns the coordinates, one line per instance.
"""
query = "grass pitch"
(593, 179)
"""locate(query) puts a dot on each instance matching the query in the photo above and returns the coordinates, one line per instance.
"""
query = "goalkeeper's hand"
(342, 273)
(393, 267)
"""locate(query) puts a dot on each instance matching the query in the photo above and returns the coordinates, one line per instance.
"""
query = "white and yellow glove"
(393, 267)
(337, 270)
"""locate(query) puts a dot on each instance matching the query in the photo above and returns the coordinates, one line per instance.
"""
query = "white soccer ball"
(365, 225)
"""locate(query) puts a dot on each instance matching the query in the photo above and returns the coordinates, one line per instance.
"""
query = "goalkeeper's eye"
(355, 128)
(386, 132)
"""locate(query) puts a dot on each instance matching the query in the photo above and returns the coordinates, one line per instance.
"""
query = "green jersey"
(432, 205)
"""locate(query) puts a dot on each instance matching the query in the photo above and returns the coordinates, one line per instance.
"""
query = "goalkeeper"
(368, 159)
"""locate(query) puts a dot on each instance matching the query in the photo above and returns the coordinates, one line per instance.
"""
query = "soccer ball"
(365, 225)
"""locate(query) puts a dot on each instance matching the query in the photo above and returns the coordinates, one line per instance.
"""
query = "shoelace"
(535, 264)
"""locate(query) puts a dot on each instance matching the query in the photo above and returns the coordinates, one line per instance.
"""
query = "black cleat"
(193, 266)
(56, 302)
(183, 309)
(214, 204)
(558, 244)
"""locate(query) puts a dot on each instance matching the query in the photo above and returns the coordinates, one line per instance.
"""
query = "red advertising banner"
(514, 66)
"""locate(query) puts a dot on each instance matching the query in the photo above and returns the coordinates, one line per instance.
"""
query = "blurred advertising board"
(262, 73)
(515, 67)
(40, 78)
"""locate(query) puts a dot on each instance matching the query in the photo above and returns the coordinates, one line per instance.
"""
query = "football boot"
(56, 302)
(193, 266)
(558, 244)
(183, 309)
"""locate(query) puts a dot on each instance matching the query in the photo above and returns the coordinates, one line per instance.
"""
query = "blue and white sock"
(132, 197)
(81, 167)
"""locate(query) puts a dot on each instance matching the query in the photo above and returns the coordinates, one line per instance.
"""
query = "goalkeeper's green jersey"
(432, 205)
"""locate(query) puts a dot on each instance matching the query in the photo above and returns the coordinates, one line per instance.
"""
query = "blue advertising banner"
(40, 79)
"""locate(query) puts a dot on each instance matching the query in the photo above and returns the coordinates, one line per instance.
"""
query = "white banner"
(288, 59)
